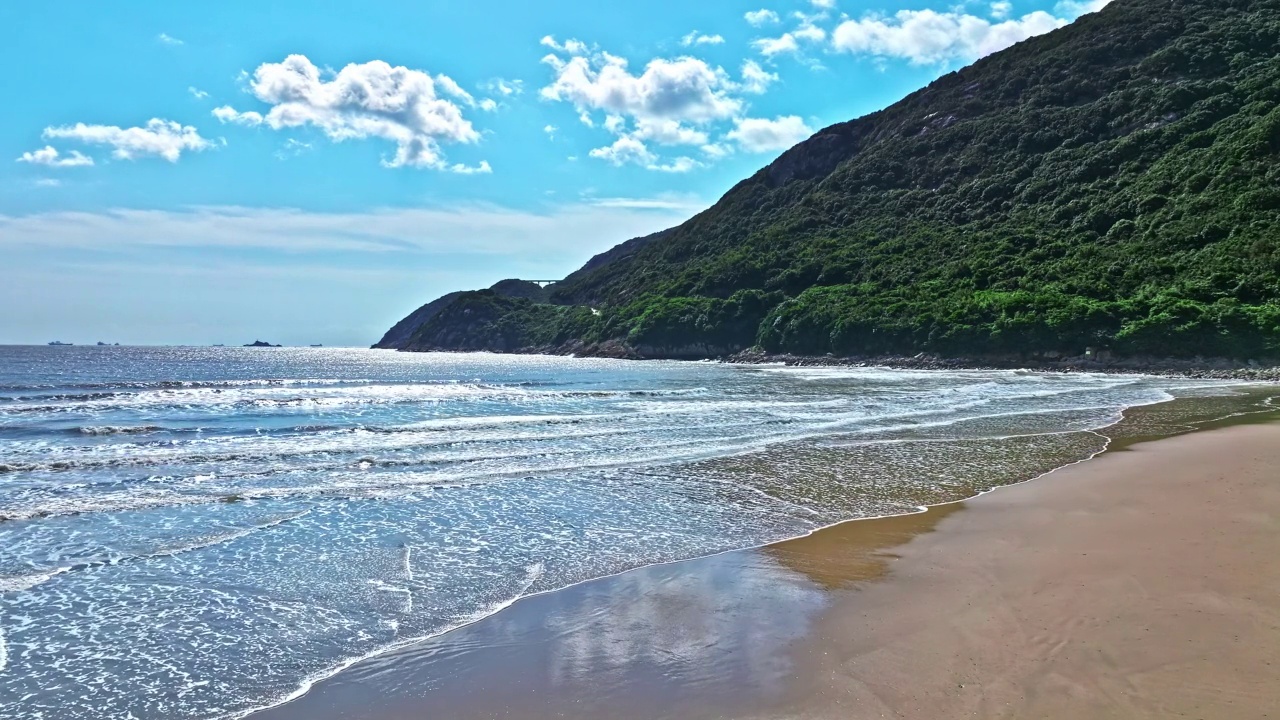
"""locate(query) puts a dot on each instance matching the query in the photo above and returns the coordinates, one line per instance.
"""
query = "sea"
(203, 532)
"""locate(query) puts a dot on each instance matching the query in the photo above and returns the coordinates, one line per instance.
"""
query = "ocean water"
(200, 532)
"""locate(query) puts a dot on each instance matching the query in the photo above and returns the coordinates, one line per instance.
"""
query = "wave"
(240, 397)
(17, 583)
(118, 429)
(169, 384)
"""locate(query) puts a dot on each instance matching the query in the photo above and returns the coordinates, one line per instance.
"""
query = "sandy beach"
(1144, 583)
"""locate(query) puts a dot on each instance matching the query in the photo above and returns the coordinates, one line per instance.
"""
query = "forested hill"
(1115, 183)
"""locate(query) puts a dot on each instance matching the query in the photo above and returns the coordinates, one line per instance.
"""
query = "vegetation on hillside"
(1115, 183)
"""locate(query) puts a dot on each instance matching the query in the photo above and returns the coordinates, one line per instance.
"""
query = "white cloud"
(756, 79)
(168, 39)
(776, 46)
(488, 105)
(50, 157)
(823, 4)
(1073, 9)
(672, 102)
(367, 100)
(685, 89)
(550, 130)
(696, 38)
(760, 18)
(571, 46)
(668, 132)
(481, 169)
(763, 135)
(810, 33)
(48, 183)
(625, 150)
(163, 138)
(228, 114)
(927, 36)
(505, 88)
(679, 165)
(715, 151)
(197, 93)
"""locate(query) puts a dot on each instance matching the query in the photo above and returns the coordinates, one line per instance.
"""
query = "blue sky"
(309, 172)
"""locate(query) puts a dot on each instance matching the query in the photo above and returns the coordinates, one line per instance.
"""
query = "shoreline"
(875, 650)
(925, 517)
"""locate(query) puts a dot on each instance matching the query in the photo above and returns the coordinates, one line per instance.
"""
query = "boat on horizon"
(60, 343)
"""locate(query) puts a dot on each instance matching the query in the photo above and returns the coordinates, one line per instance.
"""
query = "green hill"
(1115, 183)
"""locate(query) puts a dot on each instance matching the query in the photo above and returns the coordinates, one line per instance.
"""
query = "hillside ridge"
(1114, 184)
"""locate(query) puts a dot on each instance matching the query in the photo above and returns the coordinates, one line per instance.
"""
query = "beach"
(1142, 583)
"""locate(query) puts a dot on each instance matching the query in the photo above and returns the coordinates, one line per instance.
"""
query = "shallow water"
(197, 532)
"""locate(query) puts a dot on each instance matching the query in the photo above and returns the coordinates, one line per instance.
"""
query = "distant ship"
(59, 342)
(317, 346)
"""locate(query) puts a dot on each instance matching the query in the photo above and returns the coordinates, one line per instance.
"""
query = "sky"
(310, 172)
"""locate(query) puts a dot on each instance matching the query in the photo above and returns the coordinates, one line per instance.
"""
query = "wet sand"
(1144, 583)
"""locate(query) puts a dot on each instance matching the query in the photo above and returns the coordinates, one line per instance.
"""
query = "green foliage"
(1115, 183)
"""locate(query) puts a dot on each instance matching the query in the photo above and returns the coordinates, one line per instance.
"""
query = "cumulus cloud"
(926, 36)
(625, 150)
(481, 169)
(228, 114)
(679, 102)
(572, 47)
(162, 138)
(756, 79)
(760, 18)
(697, 38)
(769, 47)
(50, 157)
(197, 93)
(763, 135)
(671, 102)
(169, 39)
(411, 108)
(810, 33)
(685, 89)
(823, 4)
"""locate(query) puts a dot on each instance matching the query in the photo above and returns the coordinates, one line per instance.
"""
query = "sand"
(1144, 583)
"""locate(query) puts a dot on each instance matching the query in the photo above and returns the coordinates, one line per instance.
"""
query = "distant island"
(261, 344)
(59, 343)
(1111, 188)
